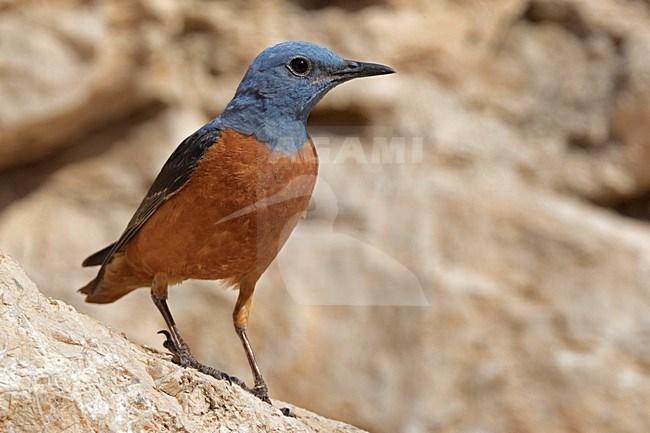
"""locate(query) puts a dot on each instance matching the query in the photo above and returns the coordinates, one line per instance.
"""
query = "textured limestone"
(63, 371)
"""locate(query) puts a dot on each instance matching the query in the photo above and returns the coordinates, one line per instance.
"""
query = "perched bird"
(228, 197)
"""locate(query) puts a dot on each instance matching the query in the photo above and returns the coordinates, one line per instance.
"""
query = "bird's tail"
(87, 288)
(113, 280)
(101, 293)
(95, 294)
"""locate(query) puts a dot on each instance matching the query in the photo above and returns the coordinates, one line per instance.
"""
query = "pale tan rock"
(63, 371)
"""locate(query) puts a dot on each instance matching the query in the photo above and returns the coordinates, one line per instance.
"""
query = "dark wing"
(173, 176)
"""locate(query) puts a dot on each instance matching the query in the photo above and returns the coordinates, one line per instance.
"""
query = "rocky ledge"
(63, 371)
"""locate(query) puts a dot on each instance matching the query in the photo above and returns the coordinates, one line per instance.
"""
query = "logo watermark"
(321, 265)
(369, 150)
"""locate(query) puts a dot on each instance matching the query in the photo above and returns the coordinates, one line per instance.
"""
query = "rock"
(63, 371)
(74, 71)
(494, 177)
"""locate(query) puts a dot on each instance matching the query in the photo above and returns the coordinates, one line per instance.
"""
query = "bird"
(228, 197)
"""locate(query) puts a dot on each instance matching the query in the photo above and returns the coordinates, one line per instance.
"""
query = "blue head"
(281, 87)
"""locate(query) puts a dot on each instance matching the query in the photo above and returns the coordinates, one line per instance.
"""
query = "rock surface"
(478, 256)
(63, 371)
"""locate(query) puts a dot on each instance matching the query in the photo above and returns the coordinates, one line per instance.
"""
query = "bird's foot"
(261, 391)
(183, 357)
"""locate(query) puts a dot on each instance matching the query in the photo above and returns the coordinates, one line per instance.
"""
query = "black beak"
(352, 69)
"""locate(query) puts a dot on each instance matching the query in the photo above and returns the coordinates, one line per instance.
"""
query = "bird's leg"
(259, 389)
(240, 320)
(174, 342)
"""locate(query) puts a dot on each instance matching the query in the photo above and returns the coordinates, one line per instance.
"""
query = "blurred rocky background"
(495, 193)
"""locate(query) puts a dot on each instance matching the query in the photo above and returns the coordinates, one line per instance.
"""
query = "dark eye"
(299, 66)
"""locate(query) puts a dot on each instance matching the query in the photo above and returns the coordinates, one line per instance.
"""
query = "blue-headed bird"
(228, 197)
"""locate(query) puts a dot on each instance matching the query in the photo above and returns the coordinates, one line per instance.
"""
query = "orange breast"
(232, 217)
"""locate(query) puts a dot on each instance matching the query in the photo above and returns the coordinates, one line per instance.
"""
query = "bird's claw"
(180, 355)
(287, 412)
(226, 377)
(183, 357)
(170, 346)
